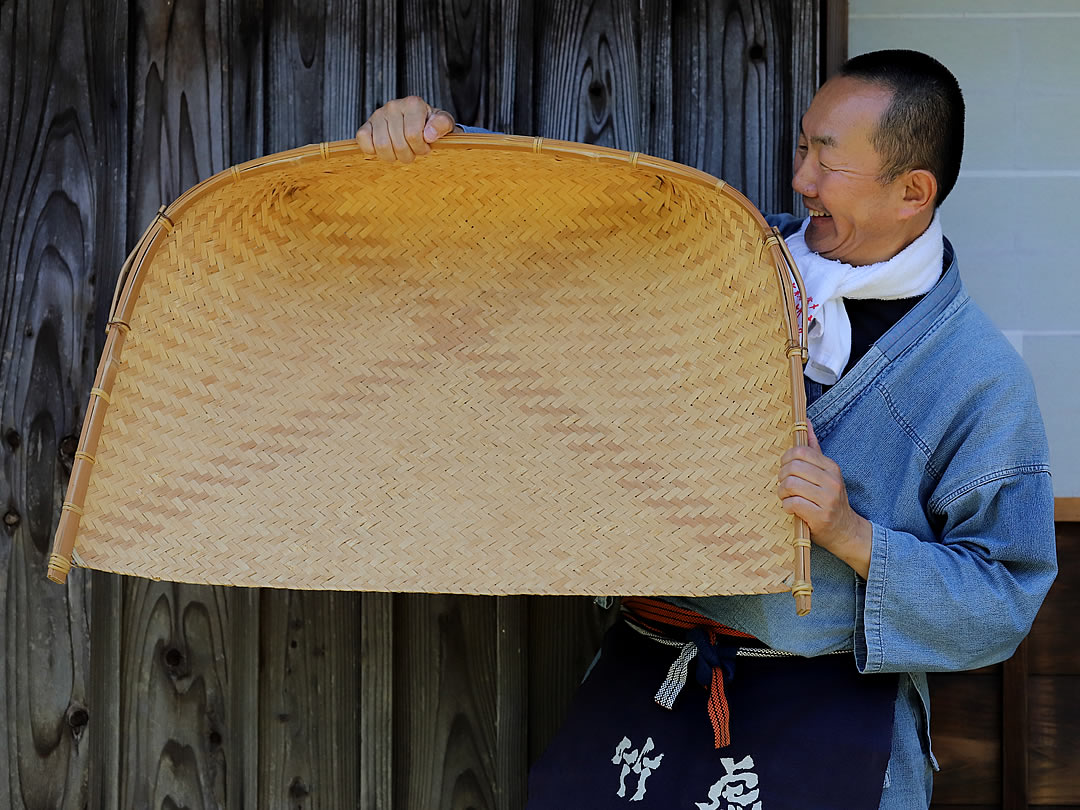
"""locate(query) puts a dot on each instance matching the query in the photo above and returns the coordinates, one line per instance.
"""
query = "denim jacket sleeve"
(968, 600)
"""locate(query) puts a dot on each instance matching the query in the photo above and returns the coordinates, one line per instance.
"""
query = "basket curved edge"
(130, 278)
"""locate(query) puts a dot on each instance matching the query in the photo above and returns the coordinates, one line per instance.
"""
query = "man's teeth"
(814, 213)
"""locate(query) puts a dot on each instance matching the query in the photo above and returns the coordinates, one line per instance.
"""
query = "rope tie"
(715, 660)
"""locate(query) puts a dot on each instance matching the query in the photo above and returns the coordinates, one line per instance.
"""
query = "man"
(926, 488)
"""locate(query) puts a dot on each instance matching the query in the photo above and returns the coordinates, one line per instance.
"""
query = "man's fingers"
(395, 127)
(794, 485)
(363, 139)
(805, 470)
(806, 510)
(811, 436)
(402, 129)
(808, 455)
(380, 138)
(415, 120)
(439, 123)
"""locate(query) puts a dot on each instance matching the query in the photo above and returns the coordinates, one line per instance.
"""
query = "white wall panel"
(1013, 214)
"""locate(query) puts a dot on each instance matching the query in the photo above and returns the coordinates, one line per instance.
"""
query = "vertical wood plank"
(309, 717)
(657, 73)
(179, 129)
(966, 719)
(472, 59)
(54, 230)
(447, 57)
(188, 667)
(806, 77)
(244, 26)
(587, 82)
(741, 83)
(445, 702)
(314, 77)
(379, 66)
(1055, 728)
(174, 670)
(1014, 731)
(834, 36)
(377, 701)
(511, 719)
(242, 743)
(105, 690)
(108, 74)
(510, 44)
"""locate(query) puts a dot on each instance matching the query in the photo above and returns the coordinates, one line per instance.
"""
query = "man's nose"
(803, 181)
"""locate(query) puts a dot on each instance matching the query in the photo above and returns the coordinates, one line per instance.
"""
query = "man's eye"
(826, 168)
(801, 148)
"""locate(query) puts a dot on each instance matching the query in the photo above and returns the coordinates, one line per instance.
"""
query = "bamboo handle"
(801, 588)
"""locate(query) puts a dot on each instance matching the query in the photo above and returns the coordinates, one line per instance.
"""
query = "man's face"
(854, 218)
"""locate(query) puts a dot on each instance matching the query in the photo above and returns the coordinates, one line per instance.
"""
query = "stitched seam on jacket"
(881, 600)
(942, 503)
(960, 302)
(909, 429)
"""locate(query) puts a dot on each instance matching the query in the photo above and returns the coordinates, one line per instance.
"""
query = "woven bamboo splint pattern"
(495, 370)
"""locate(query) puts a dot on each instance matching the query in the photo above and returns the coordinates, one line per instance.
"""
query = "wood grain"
(313, 88)
(186, 713)
(1052, 643)
(179, 124)
(586, 72)
(512, 710)
(564, 636)
(741, 80)
(117, 106)
(965, 724)
(377, 701)
(53, 197)
(1055, 730)
(445, 702)
(380, 47)
(834, 36)
(309, 717)
(175, 669)
(1014, 731)
(448, 65)
(1067, 510)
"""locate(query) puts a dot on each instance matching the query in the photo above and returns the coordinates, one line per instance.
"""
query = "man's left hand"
(811, 486)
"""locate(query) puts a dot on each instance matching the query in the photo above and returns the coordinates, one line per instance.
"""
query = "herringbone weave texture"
(485, 372)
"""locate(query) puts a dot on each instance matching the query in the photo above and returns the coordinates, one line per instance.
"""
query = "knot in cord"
(712, 656)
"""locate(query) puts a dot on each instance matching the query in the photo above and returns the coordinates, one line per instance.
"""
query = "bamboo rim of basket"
(130, 280)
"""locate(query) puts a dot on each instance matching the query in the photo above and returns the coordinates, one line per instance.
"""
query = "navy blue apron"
(806, 733)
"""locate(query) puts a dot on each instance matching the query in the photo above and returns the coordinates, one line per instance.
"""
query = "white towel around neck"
(911, 272)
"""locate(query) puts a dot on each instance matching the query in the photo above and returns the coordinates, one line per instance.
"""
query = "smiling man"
(926, 488)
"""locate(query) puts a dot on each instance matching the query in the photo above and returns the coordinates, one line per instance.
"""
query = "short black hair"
(923, 126)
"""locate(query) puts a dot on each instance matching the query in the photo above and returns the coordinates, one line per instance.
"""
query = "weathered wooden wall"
(133, 693)
(1008, 736)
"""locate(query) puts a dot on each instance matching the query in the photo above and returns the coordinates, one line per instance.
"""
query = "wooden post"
(1014, 731)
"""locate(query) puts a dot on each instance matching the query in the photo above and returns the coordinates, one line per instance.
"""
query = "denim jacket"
(941, 443)
(942, 446)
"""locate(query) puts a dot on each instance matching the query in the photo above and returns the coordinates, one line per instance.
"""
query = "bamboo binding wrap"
(515, 366)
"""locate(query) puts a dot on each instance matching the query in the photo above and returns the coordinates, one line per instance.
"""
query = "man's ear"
(920, 190)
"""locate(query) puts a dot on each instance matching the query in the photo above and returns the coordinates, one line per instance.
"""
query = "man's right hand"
(403, 129)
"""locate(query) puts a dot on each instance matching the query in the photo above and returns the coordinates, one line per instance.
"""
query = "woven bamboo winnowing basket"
(514, 366)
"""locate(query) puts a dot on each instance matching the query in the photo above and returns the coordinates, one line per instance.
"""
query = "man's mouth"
(815, 213)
